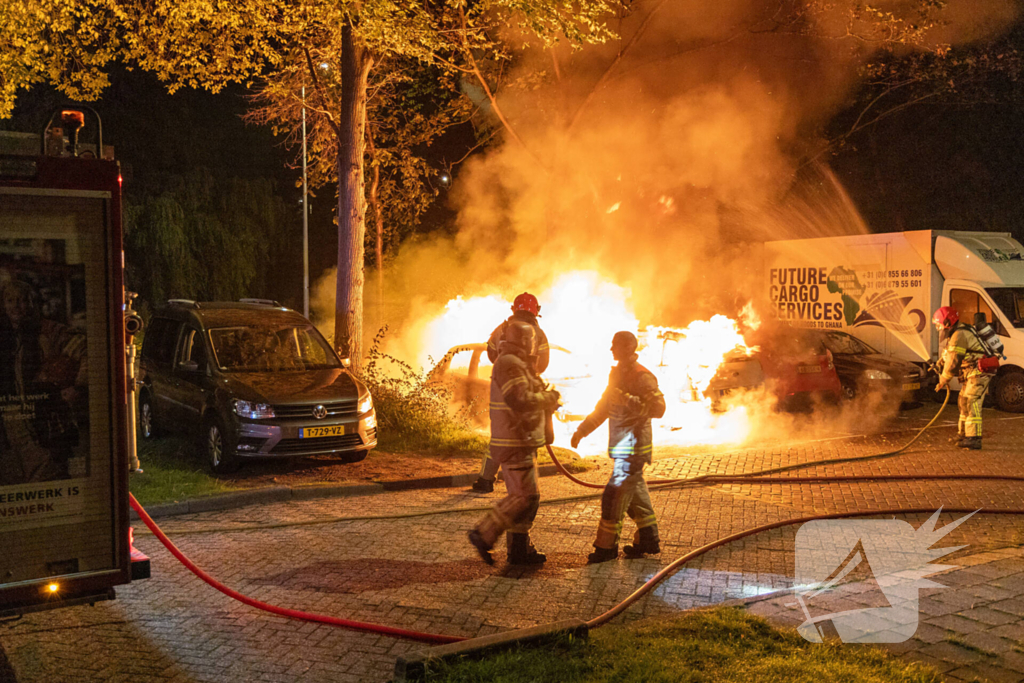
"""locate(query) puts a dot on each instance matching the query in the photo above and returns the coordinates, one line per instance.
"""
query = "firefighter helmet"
(522, 335)
(945, 318)
(526, 302)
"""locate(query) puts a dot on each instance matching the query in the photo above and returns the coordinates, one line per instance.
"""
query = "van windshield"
(1011, 301)
(271, 349)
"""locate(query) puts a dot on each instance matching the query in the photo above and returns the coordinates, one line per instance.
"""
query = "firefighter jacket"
(962, 353)
(518, 404)
(543, 352)
(629, 403)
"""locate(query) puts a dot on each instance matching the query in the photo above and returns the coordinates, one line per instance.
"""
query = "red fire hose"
(284, 611)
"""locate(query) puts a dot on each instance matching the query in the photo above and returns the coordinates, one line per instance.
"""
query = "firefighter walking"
(963, 352)
(629, 403)
(519, 403)
(525, 309)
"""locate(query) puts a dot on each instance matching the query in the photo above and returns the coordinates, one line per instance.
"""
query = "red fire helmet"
(946, 317)
(526, 302)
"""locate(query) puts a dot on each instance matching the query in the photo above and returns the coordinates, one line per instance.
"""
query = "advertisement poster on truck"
(44, 390)
(875, 287)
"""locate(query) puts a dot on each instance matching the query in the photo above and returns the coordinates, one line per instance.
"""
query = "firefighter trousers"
(625, 493)
(972, 395)
(489, 470)
(517, 510)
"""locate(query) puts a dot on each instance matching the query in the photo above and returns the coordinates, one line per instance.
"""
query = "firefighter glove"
(576, 438)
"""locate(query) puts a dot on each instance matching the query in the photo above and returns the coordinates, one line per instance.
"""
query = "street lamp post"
(305, 216)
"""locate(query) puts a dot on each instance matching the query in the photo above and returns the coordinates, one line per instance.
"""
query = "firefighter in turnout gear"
(629, 403)
(519, 404)
(525, 309)
(962, 353)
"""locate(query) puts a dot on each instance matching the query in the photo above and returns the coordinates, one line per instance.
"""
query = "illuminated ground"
(420, 573)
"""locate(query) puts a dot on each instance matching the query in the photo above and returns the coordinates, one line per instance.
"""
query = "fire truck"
(66, 435)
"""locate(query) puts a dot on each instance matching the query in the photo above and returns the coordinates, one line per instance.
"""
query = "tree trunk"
(348, 320)
(378, 219)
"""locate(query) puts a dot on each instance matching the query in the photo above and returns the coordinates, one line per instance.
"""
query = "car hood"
(876, 361)
(308, 386)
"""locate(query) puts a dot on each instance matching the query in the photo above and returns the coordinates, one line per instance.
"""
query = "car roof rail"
(261, 302)
(184, 302)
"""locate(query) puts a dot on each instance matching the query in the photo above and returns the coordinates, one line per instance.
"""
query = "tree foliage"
(203, 238)
(410, 106)
(210, 43)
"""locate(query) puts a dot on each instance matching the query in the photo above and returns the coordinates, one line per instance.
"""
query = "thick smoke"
(659, 160)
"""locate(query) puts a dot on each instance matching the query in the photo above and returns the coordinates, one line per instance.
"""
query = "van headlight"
(877, 374)
(253, 411)
(365, 404)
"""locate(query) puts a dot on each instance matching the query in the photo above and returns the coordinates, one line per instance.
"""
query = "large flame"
(580, 313)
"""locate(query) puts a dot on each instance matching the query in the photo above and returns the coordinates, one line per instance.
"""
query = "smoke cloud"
(659, 160)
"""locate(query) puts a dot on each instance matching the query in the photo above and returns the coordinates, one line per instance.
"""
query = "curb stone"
(278, 494)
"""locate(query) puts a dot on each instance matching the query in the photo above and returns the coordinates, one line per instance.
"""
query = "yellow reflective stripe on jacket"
(496, 405)
(497, 441)
(511, 383)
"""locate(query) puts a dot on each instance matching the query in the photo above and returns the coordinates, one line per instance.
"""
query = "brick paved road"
(420, 573)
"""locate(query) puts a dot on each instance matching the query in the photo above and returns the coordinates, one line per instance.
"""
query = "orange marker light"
(53, 588)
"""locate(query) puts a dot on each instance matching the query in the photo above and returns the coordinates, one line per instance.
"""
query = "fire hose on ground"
(758, 477)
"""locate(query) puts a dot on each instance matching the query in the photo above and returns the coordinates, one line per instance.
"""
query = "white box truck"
(884, 288)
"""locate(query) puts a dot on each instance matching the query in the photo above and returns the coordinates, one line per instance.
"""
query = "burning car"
(863, 369)
(800, 368)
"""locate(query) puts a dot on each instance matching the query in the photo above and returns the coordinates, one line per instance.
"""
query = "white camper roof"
(988, 258)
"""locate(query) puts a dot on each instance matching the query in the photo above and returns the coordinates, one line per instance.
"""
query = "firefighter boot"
(482, 485)
(602, 555)
(972, 443)
(521, 551)
(646, 543)
(481, 546)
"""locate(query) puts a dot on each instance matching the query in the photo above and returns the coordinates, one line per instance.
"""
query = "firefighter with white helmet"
(519, 400)
(965, 354)
(525, 309)
(629, 403)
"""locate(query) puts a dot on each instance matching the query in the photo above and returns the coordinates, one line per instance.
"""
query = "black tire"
(218, 448)
(144, 416)
(1009, 392)
(849, 391)
(353, 456)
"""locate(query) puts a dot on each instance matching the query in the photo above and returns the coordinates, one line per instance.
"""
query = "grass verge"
(723, 645)
(172, 472)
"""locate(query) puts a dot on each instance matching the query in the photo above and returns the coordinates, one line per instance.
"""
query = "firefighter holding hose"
(525, 309)
(965, 354)
(629, 403)
(519, 403)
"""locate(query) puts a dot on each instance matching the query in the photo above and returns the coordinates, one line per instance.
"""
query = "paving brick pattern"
(420, 573)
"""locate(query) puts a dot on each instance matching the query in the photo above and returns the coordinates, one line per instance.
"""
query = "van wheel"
(354, 456)
(219, 450)
(1009, 393)
(144, 416)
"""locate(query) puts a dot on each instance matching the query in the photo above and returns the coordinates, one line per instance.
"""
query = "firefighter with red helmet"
(519, 401)
(629, 403)
(525, 309)
(962, 353)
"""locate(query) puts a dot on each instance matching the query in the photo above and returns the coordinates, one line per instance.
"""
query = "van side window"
(967, 303)
(192, 348)
(161, 339)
